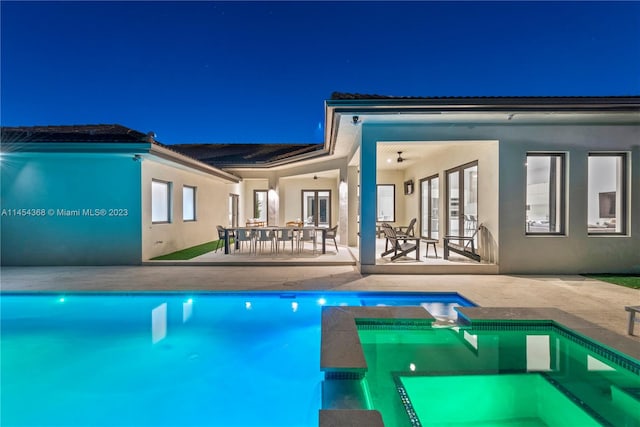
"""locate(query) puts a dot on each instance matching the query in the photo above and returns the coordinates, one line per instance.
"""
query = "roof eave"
(167, 154)
(485, 104)
(277, 163)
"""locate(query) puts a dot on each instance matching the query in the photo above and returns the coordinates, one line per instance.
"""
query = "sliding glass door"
(429, 207)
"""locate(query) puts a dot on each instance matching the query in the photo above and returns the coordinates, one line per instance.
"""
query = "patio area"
(427, 262)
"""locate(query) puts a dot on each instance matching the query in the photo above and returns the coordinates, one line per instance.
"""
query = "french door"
(462, 200)
(430, 207)
(316, 207)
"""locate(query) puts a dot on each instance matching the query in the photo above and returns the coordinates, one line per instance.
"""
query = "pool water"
(517, 376)
(245, 359)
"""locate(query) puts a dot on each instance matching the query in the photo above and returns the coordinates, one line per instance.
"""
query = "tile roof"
(73, 133)
(237, 155)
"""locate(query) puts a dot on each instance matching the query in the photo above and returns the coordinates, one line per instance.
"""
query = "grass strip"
(628, 280)
(191, 252)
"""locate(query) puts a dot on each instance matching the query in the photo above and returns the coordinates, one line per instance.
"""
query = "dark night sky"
(260, 71)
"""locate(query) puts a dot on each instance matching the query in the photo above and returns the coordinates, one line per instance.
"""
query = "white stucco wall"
(576, 252)
(212, 208)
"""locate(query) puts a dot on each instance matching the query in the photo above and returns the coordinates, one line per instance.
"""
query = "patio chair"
(398, 248)
(306, 234)
(463, 245)
(284, 235)
(407, 230)
(243, 236)
(221, 232)
(263, 236)
(331, 234)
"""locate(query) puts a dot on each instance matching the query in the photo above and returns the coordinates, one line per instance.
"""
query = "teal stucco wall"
(70, 209)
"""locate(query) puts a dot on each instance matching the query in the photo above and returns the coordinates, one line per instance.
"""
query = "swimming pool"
(509, 374)
(242, 359)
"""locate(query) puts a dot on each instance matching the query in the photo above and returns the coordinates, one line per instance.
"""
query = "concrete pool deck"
(595, 301)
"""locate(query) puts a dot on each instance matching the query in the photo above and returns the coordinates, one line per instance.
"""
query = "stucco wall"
(91, 206)
(212, 208)
(576, 252)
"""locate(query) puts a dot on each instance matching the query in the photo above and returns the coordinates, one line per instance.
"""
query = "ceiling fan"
(400, 159)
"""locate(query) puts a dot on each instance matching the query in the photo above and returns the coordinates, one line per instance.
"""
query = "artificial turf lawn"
(191, 252)
(628, 280)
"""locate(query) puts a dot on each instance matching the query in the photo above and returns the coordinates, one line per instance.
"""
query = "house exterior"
(81, 195)
(540, 185)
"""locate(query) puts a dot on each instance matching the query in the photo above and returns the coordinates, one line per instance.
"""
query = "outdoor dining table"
(322, 230)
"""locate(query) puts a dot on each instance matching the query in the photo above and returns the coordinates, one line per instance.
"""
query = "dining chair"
(332, 234)
(263, 236)
(306, 234)
(284, 235)
(243, 236)
(221, 232)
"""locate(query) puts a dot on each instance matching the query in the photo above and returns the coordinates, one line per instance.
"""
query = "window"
(316, 207)
(160, 201)
(188, 203)
(545, 201)
(607, 202)
(386, 203)
(462, 200)
(429, 207)
(260, 205)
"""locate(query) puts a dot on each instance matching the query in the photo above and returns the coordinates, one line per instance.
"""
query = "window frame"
(562, 230)
(193, 202)
(393, 218)
(169, 188)
(623, 191)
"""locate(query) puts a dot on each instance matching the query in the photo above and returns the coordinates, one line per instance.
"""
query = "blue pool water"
(244, 359)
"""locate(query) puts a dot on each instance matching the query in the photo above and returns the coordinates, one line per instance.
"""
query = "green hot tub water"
(466, 377)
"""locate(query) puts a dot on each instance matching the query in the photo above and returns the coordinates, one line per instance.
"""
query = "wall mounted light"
(356, 119)
(137, 158)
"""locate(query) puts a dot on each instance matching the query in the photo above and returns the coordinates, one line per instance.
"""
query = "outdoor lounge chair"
(407, 230)
(399, 248)
(463, 245)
